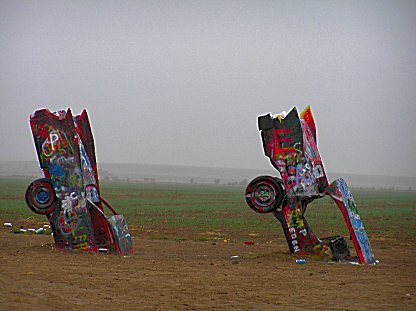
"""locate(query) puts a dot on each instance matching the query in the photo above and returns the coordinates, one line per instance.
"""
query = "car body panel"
(290, 143)
(66, 153)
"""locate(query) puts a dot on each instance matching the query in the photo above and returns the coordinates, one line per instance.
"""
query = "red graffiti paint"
(69, 195)
(289, 141)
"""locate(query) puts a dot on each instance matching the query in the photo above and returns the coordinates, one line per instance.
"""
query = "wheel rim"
(264, 195)
(42, 196)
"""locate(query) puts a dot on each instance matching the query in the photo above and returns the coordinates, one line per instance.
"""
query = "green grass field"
(213, 207)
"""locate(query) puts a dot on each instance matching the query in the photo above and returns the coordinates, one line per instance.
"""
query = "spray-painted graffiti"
(70, 170)
(56, 143)
(298, 175)
(293, 152)
(343, 198)
(290, 143)
(122, 233)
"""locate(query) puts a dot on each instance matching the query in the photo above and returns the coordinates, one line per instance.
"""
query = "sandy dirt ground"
(196, 273)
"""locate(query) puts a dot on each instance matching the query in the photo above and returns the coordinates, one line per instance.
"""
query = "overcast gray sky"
(182, 82)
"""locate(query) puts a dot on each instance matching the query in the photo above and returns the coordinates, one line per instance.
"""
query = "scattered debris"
(41, 230)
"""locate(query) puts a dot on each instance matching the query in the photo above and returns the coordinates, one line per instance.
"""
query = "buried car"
(69, 194)
(290, 142)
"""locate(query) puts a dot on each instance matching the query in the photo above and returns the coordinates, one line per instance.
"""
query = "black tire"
(264, 194)
(40, 196)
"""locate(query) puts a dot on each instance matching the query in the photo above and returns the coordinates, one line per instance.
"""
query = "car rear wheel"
(40, 196)
(264, 194)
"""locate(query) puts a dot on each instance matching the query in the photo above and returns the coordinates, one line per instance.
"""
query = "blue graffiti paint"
(56, 170)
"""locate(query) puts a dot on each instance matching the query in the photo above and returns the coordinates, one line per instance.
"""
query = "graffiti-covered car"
(290, 142)
(69, 194)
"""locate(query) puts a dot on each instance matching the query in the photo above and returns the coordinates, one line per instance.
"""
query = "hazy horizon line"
(216, 167)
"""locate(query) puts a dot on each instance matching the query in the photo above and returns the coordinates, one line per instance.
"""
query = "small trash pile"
(45, 229)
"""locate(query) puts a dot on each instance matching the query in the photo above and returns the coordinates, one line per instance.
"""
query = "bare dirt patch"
(191, 270)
